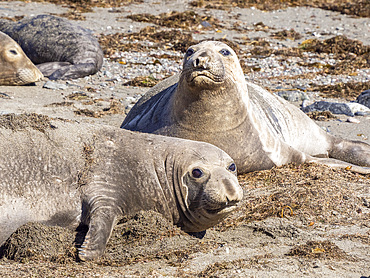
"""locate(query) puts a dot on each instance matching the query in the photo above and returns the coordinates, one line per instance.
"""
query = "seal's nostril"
(227, 200)
(197, 62)
(201, 62)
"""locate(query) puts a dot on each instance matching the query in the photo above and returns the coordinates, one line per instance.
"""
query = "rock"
(54, 86)
(333, 107)
(352, 120)
(359, 109)
(360, 113)
(349, 109)
(364, 98)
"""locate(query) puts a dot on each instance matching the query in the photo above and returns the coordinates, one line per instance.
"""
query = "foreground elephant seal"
(210, 101)
(15, 67)
(63, 173)
(59, 48)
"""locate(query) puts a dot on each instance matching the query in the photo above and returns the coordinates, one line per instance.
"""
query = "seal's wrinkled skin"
(211, 101)
(15, 67)
(59, 48)
(64, 173)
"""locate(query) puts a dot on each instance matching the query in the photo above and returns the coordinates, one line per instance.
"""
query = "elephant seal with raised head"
(58, 47)
(63, 173)
(15, 67)
(211, 101)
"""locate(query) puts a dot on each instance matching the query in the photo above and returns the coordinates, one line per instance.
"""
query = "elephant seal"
(15, 67)
(59, 48)
(64, 173)
(211, 101)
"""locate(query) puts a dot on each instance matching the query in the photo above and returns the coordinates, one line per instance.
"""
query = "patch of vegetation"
(349, 91)
(321, 115)
(287, 34)
(359, 8)
(22, 121)
(319, 249)
(309, 192)
(186, 20)
(142, 81)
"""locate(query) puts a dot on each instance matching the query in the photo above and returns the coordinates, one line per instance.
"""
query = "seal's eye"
(232, 167)
(190, 52)
(197, 173)
(225, 52)
(14, 52)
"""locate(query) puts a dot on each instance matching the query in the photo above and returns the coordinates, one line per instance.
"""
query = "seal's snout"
(233, 193)
(223, 193)
(202, 62)
(204, 68)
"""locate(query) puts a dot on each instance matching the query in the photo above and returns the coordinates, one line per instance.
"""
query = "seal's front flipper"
(49, 68)
(64, 70)
(100, 228)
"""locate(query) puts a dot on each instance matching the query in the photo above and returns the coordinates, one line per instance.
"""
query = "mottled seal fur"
(15, 67)
(59, 48)
(63, 173)
(211, 101)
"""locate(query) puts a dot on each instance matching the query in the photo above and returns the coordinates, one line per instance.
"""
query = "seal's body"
(210, 101)
(15, 67)
(59, 48)
(69, 173)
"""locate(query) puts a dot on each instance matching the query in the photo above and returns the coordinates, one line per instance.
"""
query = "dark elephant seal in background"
(211, 101)
(15, 67)
(63, 173)
(60, 49)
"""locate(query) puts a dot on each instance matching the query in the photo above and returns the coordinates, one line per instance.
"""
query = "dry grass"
(309, 193)
(359, 8)
(349, 91)
(319, 250)
(23, 121)
(188, 20)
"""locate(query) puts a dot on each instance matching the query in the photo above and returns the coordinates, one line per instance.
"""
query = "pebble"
(131, 100)
(293, 96)
(54, 86)
(353, 120)
(6, 96)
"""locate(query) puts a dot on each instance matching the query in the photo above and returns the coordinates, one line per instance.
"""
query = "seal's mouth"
(204, 75)
(225, 208)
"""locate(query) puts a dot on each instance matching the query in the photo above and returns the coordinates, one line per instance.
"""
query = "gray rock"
(364, 98)
(333, 107)
(361, 113)
(350, 109)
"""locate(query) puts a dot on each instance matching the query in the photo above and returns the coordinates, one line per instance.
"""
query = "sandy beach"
(294, 221)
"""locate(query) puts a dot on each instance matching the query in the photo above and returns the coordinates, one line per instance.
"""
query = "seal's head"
(211, 81)
(15, 67)
(206, 186)
(209, 65)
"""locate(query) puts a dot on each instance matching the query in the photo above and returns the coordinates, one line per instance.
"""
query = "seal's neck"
(220, 108)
